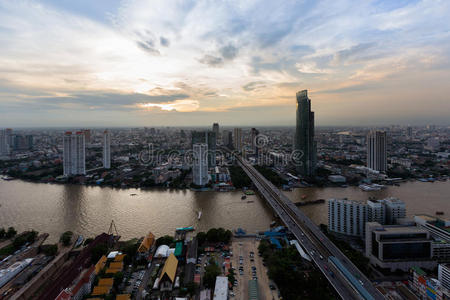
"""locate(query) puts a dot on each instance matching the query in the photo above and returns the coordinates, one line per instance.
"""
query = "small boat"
(243, 197)
(250, 201)
(304, 196)
(133, 194)
(439, 212)
(199, 214)
(7, 178)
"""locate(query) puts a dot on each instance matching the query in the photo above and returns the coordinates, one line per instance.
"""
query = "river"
(88, 210)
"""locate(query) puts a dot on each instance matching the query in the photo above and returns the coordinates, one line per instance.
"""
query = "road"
(316, 244)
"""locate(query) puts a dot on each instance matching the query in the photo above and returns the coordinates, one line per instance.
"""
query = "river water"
(88, 210)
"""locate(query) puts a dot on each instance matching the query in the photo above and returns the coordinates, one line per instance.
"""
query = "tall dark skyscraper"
(377, 150)
(215, 129)
(304, 136)
(208, 138)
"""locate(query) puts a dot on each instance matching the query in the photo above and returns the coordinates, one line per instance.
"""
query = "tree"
(98, 251)
(66, 238)
(11, 232)
(211, 272)
(49, 250)
(2, 233)
(164, 240)
(201, 238)
(118, 277)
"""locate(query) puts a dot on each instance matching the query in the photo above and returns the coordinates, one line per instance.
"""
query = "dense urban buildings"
(304, 136)
(74, 153)
(4, 142)
(377, 150)
(106, 149)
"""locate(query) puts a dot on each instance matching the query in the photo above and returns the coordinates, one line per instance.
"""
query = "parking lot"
(249, 265)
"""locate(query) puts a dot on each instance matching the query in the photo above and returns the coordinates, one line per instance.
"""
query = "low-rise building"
(426, 287)
(167, 277)
(221, 288)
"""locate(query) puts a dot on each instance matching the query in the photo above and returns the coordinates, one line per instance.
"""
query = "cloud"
(251, 86)
(229, 52)
(148, 46)
(165, 42)
(210, 60)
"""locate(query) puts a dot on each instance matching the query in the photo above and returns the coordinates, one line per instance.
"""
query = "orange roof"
(119, 257)
(106, 282)
(123, 297)
(100, 264)
(112, 270)
(116, 265)
(147, 243)
(100, 290)
(170, 268)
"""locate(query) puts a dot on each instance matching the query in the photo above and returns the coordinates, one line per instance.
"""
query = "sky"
(191, 63)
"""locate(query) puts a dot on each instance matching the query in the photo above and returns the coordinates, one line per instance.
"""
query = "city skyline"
(131, 63)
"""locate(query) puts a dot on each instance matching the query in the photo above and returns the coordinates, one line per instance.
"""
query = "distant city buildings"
(377, 151)
(254, 135)
(74, 154)
(349, 217)
(210, 139)
(304, 136)
(200, 164)
(237, 139)
(106, 149)
(4, 142)
(215, 129)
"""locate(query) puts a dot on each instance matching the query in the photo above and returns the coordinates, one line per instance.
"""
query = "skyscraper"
(200, 164)
(4, 144)
(208, 138)
(227, 138)
(74, 153)
(377, 150)
(254, 133)
(237, 139)
(106, 149)
(215, 129)
(304, 136)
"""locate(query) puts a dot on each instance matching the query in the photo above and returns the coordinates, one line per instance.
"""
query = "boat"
(7, 178)
(79, 241)
(439, 212)
(133, 194)
(243, 197)
(250, 201)
(199, 214)
(185, 229)
(367, 187)
(304, 196)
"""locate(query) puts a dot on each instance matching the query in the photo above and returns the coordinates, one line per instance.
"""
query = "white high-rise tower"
(74, 154)
(200, 166)
(106, 149)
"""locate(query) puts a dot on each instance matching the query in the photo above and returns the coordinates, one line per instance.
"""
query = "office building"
(347, 217)
(215, 129)
(377, 151)
(444, 275)
(398, 247)
(209, 138)
(237, 139)
(200, 164)
(227, 138)
(304, 136)
(106, 149)
(74, 154)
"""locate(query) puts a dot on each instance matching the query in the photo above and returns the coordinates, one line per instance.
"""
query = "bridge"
(348, 281)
